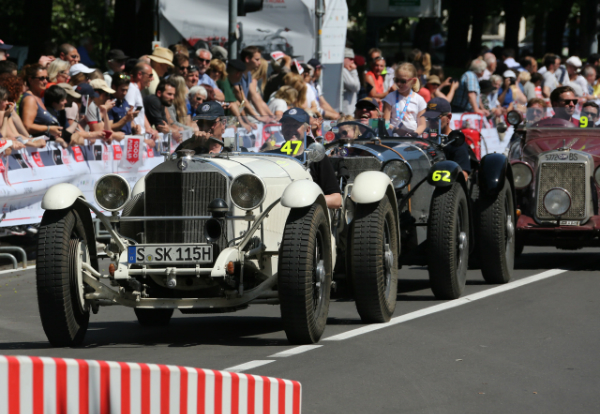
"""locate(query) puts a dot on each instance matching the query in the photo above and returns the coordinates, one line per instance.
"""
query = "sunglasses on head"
(569, 101)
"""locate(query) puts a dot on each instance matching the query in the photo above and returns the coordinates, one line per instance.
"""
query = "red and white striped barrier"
(40, 385)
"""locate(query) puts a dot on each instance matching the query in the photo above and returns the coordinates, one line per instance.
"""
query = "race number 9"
(287, 147)
(583, 122)
(441, 175)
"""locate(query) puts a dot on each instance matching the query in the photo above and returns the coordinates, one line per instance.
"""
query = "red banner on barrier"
(133, 150)
(78, 154)
(117, 152)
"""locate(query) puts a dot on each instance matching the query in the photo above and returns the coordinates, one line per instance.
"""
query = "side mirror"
(456, 138)
(315, 152)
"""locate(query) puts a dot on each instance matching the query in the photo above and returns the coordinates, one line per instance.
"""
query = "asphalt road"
(529, 349)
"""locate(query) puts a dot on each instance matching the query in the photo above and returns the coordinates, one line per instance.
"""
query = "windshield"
(581, 115)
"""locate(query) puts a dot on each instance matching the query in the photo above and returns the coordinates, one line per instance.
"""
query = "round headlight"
(399, 172)
(557, 201)
(523, 175)
(514, 118)
(112, 192)
(597, 175)
(247, 191)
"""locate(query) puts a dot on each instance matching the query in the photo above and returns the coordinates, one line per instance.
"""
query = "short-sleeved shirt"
(277, 104)
(508, 98)
(118, 112)
(425, 93)
(397, 102)
(207, 80)
(227, 90)
(468, 83)
(155, 111)
(92, 114)
(134, 98)
(550, 81)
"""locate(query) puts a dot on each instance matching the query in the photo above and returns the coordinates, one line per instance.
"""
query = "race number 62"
(441, 175)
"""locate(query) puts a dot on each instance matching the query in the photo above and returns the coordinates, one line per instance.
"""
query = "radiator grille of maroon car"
(571, 177)
(182, 194)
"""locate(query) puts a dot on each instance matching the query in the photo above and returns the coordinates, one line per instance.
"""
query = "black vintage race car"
(443, 217)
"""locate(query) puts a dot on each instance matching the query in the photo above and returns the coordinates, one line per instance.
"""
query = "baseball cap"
(117, 54)
(436, 107)
(101, 84)
(69, 90)
(509, 74)
(4, 46)
(368, 102)
(219, 52)
(348, 53)
(86, 89)
(433, 79)
(79, 68)
(236, 64)
(315, 63)
(210, 110)
(574, 61)
(296, 114)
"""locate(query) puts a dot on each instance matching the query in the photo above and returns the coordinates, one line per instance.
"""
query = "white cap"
(79, 68)
(509, 74)
(574, 61)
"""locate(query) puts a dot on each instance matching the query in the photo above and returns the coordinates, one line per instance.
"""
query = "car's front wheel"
(448, 241)
(62, 250)
(373, 257)
(304, 274)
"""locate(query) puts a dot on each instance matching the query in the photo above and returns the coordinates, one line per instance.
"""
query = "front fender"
(61, 196)
(301, 193)
(370, 187)
(139, 187)
(444, 174)
(493, 173)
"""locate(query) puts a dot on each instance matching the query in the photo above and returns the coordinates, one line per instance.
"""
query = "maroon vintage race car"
(557, 181)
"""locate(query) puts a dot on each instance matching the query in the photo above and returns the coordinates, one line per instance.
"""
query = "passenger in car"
(295, 123)
(211, 122)
(564, 101)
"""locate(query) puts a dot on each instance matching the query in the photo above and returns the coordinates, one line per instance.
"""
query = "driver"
(439, 109)
(366, 108)
(295, 123)
(211, 122)
(564, 102)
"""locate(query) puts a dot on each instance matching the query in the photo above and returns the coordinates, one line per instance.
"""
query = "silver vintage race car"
(209, 233)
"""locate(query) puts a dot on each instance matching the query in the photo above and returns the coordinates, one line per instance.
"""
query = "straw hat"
(162, 55)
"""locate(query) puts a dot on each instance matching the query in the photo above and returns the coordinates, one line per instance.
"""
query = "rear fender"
(444, 174)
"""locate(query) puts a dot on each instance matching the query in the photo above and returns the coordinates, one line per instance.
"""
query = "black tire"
(153, 317)
(448, 241)
(305, 274)
(496, 231)
(64, 317)
(373, 257)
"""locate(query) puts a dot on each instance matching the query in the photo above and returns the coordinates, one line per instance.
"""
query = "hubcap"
(510, 229)
(319, 274)
(79, 255)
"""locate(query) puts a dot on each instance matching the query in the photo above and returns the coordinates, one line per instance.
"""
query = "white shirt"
(486, 75)
(416, 105)
(576, 85)
(134, 98)
(310, 97)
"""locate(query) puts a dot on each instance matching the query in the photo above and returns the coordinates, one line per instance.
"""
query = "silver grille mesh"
(571, 177)
(182, 194)
(356, 165)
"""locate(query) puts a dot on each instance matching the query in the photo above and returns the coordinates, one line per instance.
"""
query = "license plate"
(569, 223)
(169, 254)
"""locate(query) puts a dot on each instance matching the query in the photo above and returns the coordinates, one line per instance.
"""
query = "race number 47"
(287, 147)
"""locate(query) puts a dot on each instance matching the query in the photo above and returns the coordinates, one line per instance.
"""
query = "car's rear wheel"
(373, 257)
(153, 317)
(448, 241)
(497, 235)
(304, 274)
(62, 250)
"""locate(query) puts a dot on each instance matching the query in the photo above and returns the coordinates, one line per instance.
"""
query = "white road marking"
(294, 351)
(249, 365)
(18, 269)
(446, 305)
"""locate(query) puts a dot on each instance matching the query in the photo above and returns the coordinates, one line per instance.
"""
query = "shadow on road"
(560, 260)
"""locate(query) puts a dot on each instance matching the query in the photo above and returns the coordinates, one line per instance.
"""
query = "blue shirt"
(245, 83)
(207, 80)
(508, 98)
(118, 112)
(468, 83)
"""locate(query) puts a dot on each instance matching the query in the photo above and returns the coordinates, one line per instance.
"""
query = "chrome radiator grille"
(356, 165)
(570, 176)
(181, 194)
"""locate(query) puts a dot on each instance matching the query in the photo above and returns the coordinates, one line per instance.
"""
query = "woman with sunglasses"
(36, 118)
(404, 108)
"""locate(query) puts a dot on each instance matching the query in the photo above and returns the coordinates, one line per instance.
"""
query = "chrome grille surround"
(572, 174)
(170, 192)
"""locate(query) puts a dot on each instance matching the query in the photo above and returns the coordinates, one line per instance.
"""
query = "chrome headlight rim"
(519, 163)
(510, 118)
(403, 163)
(557, 190)
(264, 194)
(127, 186)
(597, 175)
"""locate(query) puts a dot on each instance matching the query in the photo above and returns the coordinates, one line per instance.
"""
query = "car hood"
(543, 140)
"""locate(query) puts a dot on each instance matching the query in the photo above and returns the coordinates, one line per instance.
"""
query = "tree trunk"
(574, 44)
(458, 33)
(479, 12)
(557, 20)
(38, 27)
(589, 14)
(538, 34)
(513, 11)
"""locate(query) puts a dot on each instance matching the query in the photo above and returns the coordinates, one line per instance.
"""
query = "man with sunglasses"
(121, 116)
(439, 114)
(211, 122)
(182, 65)
(367, 108)
(202, 59)
(141, 76)
(591, 111)
(564, 102)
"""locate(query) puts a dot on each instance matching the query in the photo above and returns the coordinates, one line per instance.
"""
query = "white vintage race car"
(210, 233)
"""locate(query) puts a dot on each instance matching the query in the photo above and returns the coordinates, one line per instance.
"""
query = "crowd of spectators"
(62, 99)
